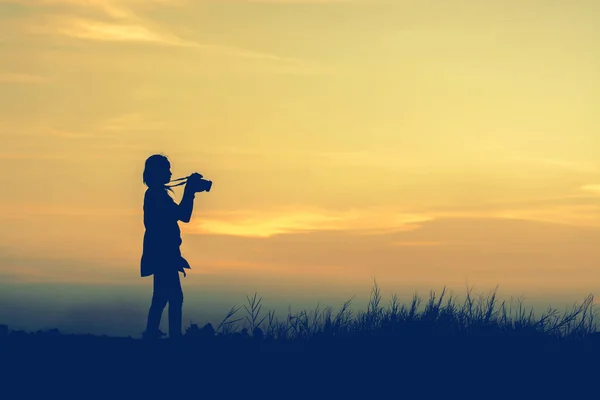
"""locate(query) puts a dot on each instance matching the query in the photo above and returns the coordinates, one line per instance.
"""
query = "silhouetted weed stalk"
(441, 315)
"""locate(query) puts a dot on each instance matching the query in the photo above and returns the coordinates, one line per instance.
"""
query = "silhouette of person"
(161, 256)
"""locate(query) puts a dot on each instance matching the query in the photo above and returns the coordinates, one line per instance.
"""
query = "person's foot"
(153, 334)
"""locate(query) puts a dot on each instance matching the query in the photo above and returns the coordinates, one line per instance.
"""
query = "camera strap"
(184, 181)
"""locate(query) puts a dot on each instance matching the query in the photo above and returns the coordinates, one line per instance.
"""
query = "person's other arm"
(186, 206)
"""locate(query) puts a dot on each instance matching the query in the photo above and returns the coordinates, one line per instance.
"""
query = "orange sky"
(422, 143)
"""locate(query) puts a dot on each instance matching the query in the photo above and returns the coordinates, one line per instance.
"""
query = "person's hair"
(152, 171)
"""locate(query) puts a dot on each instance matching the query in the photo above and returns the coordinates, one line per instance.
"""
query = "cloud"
(595, 189)
(120, 21)
(573, 166)
(132, 121)
(105, 31)
(56, 133)
(416, 243)
(25, 209)
(278, 156)
(267, 224)
(34, 130)
(141, 32)
(295, 1)
(585, 215)
(566, 165)
(64, 134)
(32, 156)
(18, 77)
(580, 211)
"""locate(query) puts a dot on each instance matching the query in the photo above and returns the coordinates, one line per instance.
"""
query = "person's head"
(157, 171)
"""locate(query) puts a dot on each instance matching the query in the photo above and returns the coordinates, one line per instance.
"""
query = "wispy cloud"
(586, 215)
(32, 156)
(294, 1)
(65, 134)
(132, 121)
(126, 32)
(19, 77)
(572, 166)
(595, 189)
(416, 243)
(267, 224)
(121, 21)
(27, 209)
(369, 221)
(27, 132)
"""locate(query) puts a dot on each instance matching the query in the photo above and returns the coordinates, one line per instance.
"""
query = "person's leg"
(159, 301)
(175, 306)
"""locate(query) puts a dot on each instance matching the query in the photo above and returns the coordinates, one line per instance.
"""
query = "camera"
(196, 184)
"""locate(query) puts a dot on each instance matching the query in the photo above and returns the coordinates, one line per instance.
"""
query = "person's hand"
(192, 182)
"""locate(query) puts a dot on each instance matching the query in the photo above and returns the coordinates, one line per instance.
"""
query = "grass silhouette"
(441, 315)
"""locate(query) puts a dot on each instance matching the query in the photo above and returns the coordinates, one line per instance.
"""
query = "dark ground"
(59, 366)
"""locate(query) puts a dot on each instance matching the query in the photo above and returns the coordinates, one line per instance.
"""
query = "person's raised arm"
(186, 206)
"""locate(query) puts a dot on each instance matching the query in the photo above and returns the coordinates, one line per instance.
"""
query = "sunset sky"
(421, 143)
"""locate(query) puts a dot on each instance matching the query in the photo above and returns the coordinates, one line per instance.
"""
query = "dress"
(162, 239)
